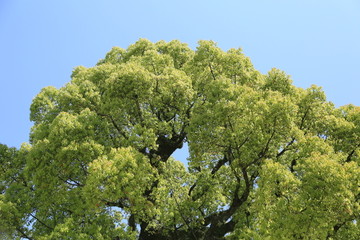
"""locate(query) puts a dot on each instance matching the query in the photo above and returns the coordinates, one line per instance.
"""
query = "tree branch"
(113, 123)
(183, 217)
(212, 72)
(24, 235)
(285, 148)
(218, 220)
(37, 219)
(351, 154)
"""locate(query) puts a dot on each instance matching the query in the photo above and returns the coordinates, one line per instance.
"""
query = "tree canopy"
(268, 160)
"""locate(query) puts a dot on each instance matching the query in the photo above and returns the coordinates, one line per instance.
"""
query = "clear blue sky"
(314, 41)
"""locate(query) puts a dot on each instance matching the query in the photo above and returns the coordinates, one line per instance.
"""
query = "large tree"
(268, 160)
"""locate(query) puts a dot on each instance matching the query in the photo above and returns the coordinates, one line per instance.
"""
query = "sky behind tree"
(316, 42)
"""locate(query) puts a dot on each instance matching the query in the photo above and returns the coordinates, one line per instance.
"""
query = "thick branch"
(219, 164)
(228, 157)
(218, 220)
(351, 154)
(285, 148)
(131, 222)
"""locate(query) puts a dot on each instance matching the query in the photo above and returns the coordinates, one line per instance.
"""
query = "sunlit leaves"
(267, 160)
(318, 195)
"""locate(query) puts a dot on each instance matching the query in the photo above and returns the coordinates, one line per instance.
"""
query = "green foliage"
(268, 160)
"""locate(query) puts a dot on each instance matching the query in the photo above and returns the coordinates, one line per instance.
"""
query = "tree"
(268, 160)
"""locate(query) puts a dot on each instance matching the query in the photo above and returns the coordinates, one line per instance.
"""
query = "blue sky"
(314, 41)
